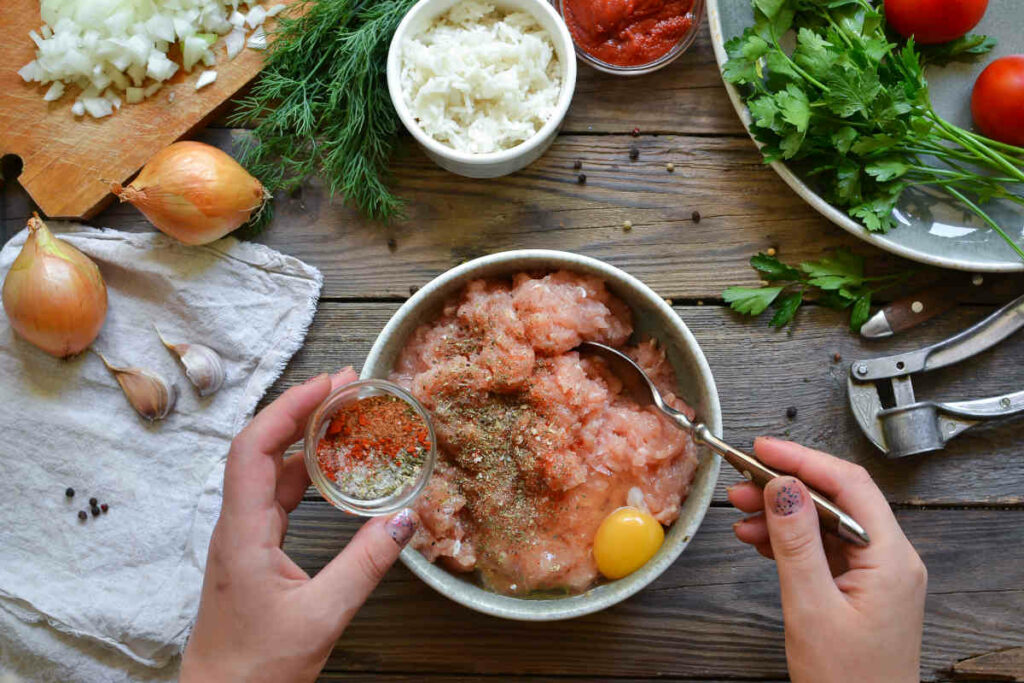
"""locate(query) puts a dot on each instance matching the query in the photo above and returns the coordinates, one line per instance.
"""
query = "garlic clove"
(203, 366)
(151, 395)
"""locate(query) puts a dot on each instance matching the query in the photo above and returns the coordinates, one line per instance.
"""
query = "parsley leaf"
(838, 279)
(752, 301)
(785, 309)
(772, 269)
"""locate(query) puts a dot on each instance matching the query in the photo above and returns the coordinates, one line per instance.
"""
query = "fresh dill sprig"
(321, 105)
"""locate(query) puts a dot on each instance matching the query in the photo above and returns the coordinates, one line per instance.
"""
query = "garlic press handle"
(991, 408)
(970, 342)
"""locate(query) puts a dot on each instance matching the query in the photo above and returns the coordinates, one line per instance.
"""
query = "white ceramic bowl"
(493, 164)
(651, 317)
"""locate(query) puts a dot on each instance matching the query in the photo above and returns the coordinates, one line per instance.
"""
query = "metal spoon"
(832, 518)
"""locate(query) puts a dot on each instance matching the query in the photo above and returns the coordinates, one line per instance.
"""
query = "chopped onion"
(234, 42)
(205, 79)
(55, 91)
(258, 40)
(122, 45)
(255, 17)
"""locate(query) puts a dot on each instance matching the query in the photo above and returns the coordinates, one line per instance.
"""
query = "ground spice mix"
(374, 447)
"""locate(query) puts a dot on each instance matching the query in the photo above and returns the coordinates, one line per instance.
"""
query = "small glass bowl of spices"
(370, 448)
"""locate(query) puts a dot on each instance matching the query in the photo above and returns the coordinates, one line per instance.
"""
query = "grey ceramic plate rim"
(694, 507)
(830, 212)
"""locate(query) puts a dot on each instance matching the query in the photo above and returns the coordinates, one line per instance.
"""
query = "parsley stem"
(985, 217)
(1013, 149)
(978, 148)
(796, 67)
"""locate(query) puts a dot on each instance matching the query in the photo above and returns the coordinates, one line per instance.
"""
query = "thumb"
(345, 583)
(804, 575)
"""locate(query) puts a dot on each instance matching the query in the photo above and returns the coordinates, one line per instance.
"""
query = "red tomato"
(997, 102)
(934, 21)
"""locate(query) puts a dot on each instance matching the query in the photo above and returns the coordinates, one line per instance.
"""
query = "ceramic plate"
(933, 229)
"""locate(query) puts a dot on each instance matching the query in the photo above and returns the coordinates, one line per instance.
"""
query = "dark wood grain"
(713, 614)
(760, 372)
(1005, 665)
(744, 207)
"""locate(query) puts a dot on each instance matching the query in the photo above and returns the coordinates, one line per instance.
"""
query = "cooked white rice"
(480, 79)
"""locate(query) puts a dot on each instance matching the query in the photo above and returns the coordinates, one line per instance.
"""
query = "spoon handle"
(832, 518)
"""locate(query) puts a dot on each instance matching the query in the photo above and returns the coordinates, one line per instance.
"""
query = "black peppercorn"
(93, 502)
(104, 508)
(69, 492)
(95, 511)
(695, 216)
(581, 178)
(634, 153)
(392, 244)
(578, 164)
(82, 515)
(791, 412)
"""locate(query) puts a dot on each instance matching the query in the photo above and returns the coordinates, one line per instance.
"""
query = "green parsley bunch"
(852, 107)
(836, 281)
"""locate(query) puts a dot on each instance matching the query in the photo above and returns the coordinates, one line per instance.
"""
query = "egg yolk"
(625, 541)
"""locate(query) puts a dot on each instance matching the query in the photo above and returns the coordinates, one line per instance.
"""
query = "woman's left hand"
(262, 618)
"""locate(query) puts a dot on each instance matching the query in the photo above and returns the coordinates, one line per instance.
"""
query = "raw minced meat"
(536, 444)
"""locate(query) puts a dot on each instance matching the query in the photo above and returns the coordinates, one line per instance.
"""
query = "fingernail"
(402, 526)
(322, 375)
(789, 497)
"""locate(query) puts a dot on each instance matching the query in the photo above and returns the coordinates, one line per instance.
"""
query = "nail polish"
(402, 526)
(789, 498)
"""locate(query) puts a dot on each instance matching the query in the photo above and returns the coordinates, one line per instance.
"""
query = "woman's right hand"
(850, 613)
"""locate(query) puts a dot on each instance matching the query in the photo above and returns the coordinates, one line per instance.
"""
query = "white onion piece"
(205, 79)
(274, 10)
(78, 109)
(234, 42)
(255, 17)
(258, 40)
(55, 91)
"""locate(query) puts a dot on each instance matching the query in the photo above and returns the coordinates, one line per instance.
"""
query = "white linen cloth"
(130, 579)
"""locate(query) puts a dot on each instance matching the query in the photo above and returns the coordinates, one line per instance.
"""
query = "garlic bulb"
(148, 392)
(203, 366)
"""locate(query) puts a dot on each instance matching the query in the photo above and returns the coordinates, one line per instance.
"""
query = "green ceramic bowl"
(653, 317)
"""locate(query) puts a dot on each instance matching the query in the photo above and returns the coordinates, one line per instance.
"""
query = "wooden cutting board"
(67, 158)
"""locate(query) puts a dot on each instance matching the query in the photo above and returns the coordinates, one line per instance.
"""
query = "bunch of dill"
(321, 104)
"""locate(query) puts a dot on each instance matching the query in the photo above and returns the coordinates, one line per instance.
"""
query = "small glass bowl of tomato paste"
(370, 448)
(631, 37)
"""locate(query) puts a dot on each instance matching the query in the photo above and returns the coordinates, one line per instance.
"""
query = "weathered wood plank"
(761, 372)
(685, 97)
(743, 207)
(713, 614)
(1005, 665)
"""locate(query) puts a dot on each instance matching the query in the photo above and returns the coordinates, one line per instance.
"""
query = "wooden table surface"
(714, 615)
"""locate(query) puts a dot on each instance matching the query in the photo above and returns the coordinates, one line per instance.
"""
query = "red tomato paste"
(627, 32)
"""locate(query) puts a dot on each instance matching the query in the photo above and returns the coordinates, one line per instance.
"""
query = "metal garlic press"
(882, 394)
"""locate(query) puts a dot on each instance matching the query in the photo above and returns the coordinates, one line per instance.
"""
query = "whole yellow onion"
(194, 192)
(54, 294)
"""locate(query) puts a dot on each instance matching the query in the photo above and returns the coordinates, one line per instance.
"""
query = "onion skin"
(54, 294)
(194, 192)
